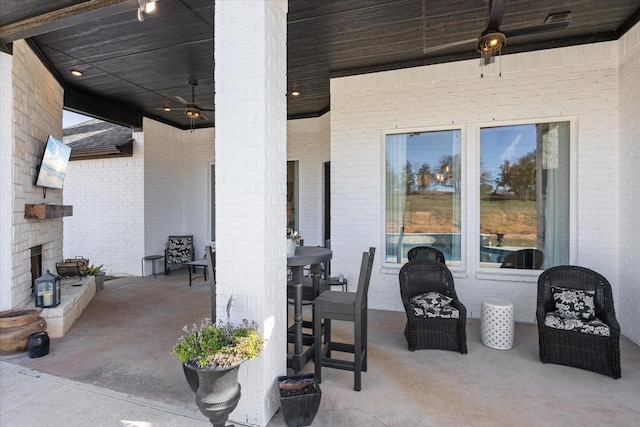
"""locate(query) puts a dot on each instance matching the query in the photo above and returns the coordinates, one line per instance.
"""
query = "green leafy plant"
(219, 346)
(92, 270)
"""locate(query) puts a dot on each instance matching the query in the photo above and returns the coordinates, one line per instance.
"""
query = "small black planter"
(38, 345)
(299, 398)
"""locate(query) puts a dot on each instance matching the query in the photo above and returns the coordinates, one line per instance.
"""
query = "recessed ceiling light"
(295, 93)
(76, 73)
(166, 109)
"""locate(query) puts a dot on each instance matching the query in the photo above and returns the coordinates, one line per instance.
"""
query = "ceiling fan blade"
(536, 29)
(181, 100)
(207, 109)
(437, 48)
(496, 14)
(203, 116)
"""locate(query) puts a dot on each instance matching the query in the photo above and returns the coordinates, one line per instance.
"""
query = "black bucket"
(38, 344)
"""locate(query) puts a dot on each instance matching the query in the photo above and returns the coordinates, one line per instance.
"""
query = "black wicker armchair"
(425, 252)
(576, 319)
(433, 322)
(530, 259)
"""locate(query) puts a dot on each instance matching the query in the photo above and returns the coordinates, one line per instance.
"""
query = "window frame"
(455, 266)
(493, 273)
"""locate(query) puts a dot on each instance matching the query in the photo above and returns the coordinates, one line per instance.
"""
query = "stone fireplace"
(32, 109)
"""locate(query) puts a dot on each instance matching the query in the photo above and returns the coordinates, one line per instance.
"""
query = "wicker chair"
(573, 347)
(420, 277)
(425, 252)
(530, 259)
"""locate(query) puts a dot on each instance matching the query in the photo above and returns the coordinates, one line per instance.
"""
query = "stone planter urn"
(16, 325)
(217, 391)
(299, 398)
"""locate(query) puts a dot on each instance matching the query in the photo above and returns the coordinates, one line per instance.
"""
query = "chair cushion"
(431, 300)
(574, 303)
(446, 312)
(595, 326)
(179, 249)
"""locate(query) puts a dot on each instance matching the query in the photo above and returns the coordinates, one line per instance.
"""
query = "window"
(423, 193)
(292, 195)
(524, 195)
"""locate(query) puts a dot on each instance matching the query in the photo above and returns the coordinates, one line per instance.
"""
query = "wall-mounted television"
(54, 164)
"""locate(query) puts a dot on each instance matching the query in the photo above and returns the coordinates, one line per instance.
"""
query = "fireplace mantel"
(46, 211)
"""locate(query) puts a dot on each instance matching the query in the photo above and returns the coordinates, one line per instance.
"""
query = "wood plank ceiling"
(134, 68)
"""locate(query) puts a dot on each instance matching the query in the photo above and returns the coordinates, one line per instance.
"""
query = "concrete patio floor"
(115, 367)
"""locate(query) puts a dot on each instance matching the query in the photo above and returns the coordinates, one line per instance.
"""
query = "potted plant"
(293, 239)
(211, 355)
(99, 274)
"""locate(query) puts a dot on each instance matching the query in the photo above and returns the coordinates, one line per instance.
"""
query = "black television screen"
(54, 164)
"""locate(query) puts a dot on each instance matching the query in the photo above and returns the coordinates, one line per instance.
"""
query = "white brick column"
(6, 183)
(250, 102)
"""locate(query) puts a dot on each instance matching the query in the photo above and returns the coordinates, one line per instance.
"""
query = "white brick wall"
(579, 83)
(629, 92)
(176, 185)
(36, 112)
(125, 208)
(107, 225)
(308, 143)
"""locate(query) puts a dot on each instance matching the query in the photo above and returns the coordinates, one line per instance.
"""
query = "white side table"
(496, 324)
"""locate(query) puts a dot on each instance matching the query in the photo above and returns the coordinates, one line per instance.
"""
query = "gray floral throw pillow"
(574, 303)
(431, 300)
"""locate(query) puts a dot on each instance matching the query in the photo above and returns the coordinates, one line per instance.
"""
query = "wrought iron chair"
(179, 250)
(584, 335)
(425, 252)
(345, 306)
(436, 319)
(530, 259)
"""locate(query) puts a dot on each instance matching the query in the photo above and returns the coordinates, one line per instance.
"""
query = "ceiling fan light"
(491, 43)
(192, 113)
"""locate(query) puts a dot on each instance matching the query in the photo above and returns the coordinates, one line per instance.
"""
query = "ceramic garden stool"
(497, 324)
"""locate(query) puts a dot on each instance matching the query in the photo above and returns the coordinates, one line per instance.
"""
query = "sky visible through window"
(499, 144)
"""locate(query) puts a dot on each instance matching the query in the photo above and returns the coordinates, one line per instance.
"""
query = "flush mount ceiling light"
(146, 7)
(76, 72)
(295, 93)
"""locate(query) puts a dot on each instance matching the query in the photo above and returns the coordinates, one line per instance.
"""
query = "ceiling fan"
(193, 110)
(493, 39)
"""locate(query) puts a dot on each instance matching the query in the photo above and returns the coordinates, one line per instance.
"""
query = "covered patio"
(228, 183)
(123, 341)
